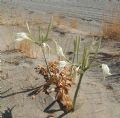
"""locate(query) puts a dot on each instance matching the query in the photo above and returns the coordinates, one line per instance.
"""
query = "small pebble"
(33, 97)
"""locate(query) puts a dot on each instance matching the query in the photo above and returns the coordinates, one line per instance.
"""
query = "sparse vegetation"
(58, 20)
(60, 73)
(26, 48)
(74, 24)
(48, 73)
(112, 30)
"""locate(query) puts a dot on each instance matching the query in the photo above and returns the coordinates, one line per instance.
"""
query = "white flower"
(45, 45)
(50, 90)
(77, 69)
(62, 64)
(22, 36)
(106, 70)
(59, 50)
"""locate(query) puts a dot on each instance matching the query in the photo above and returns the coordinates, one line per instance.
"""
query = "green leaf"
(48, 30)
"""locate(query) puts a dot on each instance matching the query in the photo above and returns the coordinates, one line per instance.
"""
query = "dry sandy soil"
(97, 98)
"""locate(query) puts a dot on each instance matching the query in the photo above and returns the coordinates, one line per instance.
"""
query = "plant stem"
(46, 61)
(73, 58)
(77, 56)
(77, 89)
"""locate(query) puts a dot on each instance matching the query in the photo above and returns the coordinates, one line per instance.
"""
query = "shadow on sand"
(7, 113)
(31, 91)
(62, 108)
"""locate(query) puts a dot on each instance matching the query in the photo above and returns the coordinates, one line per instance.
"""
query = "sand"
(97, 98)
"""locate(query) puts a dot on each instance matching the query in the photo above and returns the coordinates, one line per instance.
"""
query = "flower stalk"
(46, 61)
(84, 64)
(77, 90)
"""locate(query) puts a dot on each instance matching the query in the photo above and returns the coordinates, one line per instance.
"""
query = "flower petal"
(19, 39)
(22, 36)
(62, 64)
(60, 51)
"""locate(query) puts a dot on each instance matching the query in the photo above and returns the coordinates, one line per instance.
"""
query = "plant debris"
(62, 81)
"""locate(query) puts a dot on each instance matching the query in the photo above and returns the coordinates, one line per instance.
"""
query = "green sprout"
(85, 62)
